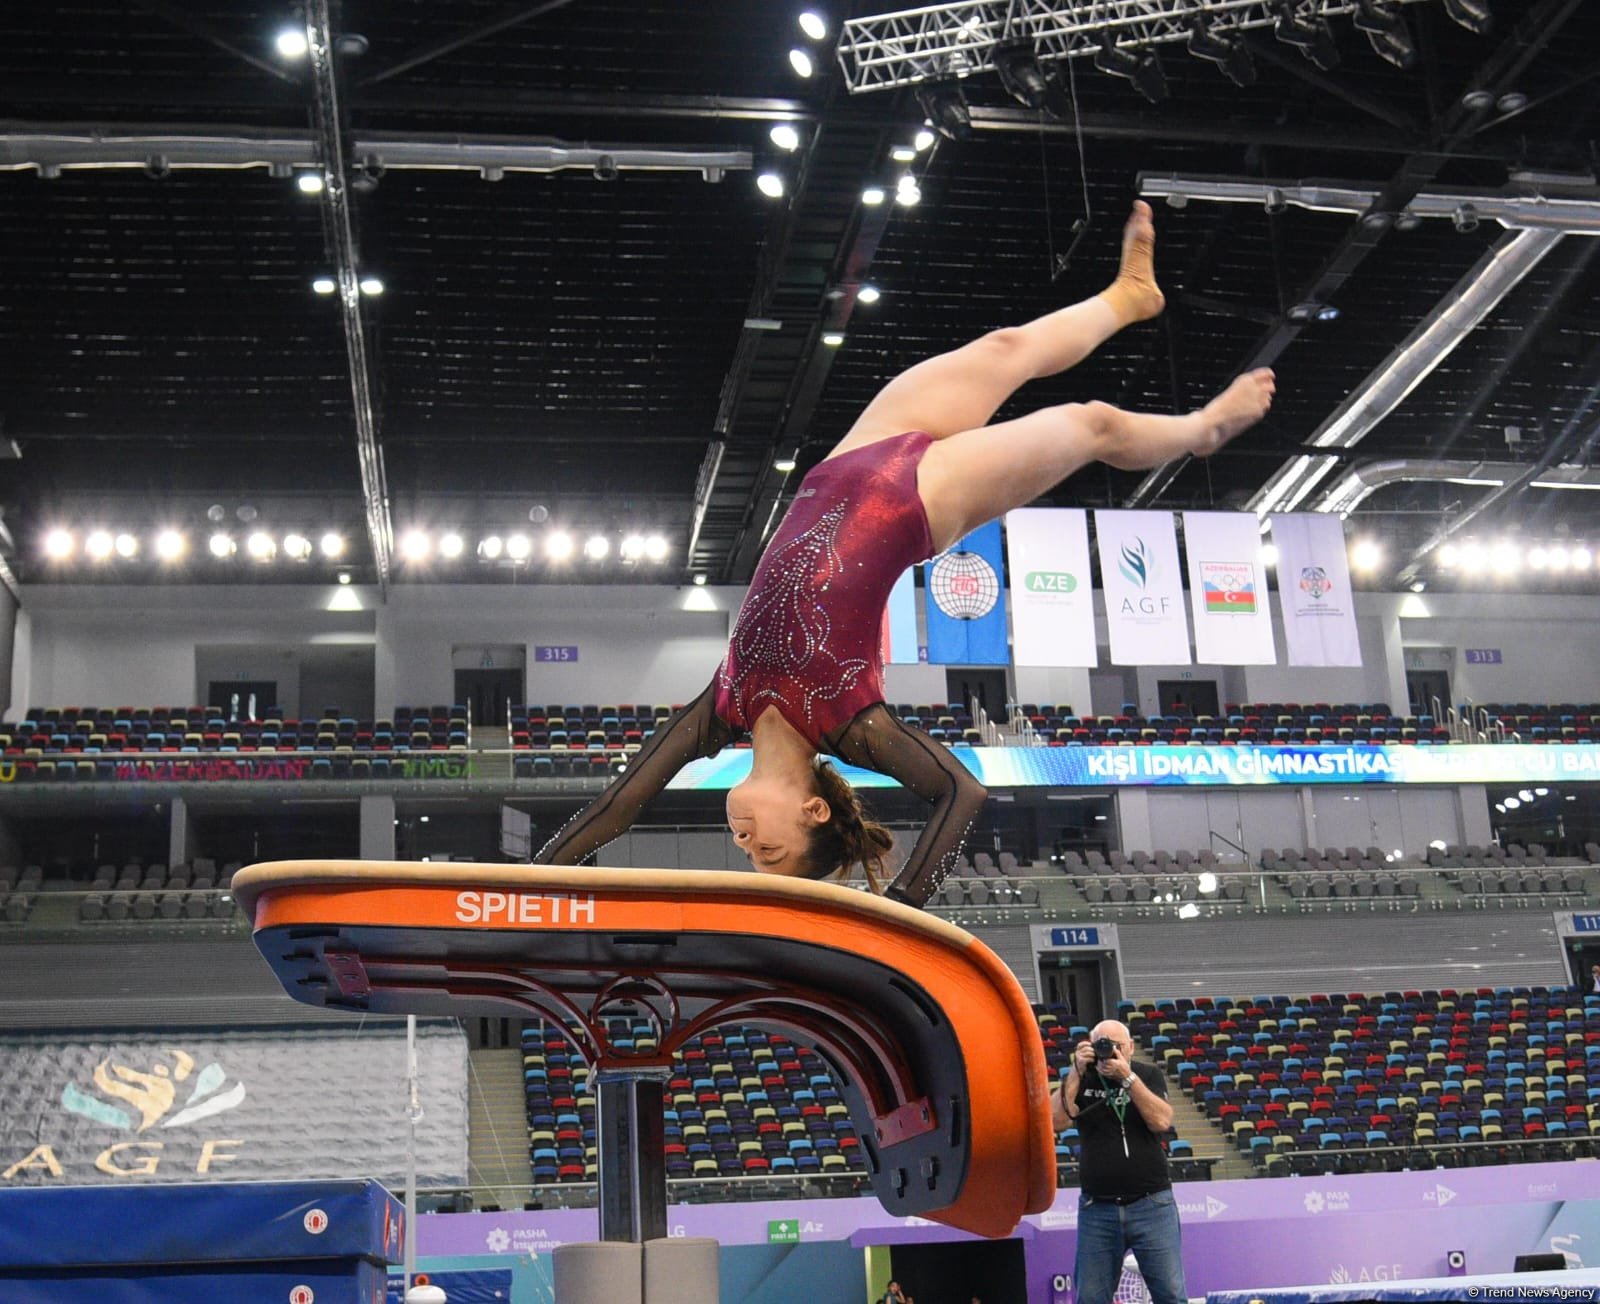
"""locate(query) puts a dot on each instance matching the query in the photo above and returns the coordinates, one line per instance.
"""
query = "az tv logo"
(150, 1097)
(1440, 1196)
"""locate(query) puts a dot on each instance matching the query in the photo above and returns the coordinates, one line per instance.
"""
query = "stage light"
(1387, 32)
(872, 196)
(907, 193)
(1473, 557)
(1449, 556)
(833, 339)
(58, 545)
(597, 547)
(127, 545)
(783, 465)
(1269, 554)
(1505, 558)
(1582, 559)
(296, 547)
(699, 581)
(1366, 555)
(633, 547)
(770, 184)
(451, 545)
(1474, 15)
(222, 546)
(371, 286)
(1558, 557)
(415, 545)
(169, 545)
(1311, 36)
(1541, 792)
(868, 294)
(785, 137)
(1465, 218)
(903, 154)
(1512, 803)
(99, 545)
(519, 547)
(801, 61)
(923, 140)
(655, 547)
(1228, 53)
(331, 545)
(1525, 795)
(558, 545)
(292, 43)
(344, 577)
(261, 546)
(1024, 80)
(491, 547)
(324, 285)
(1143, 70)
(813, 24)
(1538, 558)
(946, 110)
(310, 183)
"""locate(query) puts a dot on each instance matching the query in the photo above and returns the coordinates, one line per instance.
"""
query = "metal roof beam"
(511, 16)
(196, 26)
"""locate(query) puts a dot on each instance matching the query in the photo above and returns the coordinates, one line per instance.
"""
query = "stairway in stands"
(1199, 1131)
(497, 1152)
(491, 738)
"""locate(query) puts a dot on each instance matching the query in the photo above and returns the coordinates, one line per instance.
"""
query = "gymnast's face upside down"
(772, 824)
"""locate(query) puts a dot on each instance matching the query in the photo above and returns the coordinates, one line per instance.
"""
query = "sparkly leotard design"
(808, 639)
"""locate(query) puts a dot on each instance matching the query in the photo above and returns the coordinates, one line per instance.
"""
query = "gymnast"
(803, 673)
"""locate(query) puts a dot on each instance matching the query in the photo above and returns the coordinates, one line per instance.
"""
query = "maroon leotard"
(809, 637)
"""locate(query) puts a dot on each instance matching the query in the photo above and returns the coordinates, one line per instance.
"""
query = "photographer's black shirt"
(1121, 1157)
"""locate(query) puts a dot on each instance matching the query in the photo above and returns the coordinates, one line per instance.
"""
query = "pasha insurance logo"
(498, 1240)
(148, 1098)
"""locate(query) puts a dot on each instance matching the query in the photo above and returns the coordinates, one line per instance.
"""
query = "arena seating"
(19, 891)
(1359, 1083)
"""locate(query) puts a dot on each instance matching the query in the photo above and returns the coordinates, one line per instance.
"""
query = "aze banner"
(1144, 588)
(966, 606)
(1319, 616)
(1228, 589)
(1052, 593)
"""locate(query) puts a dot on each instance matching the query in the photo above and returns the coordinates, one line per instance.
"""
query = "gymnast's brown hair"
(850, 836)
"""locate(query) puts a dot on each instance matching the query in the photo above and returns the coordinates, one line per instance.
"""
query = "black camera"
(1104, 1048)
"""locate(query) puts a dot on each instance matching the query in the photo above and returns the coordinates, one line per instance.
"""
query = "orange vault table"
(934, 1043)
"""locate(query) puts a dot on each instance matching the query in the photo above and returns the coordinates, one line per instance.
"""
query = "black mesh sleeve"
(876, 740)
(694, 732)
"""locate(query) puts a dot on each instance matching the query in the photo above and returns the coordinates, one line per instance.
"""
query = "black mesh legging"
(873, 740)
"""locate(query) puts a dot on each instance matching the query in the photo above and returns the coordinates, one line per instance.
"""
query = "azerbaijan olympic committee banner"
(1228, 589)
(1052, 596)
(1143, 587)
(966, 602)
(1319, 616)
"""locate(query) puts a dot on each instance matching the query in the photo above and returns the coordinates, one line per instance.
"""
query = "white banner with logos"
(1228, 589)
(1319, 615)
(1052, 591)
(1143, 587)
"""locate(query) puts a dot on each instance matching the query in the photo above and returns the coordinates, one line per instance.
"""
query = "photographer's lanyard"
(1118, 1100)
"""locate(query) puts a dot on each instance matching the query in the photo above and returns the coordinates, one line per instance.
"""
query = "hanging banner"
(966, 607)
(1143, 587)
(1228, 589)
(900, 621)
(1319, 617)
(1052, 590)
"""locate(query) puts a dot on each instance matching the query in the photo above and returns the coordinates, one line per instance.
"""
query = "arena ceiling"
(592, 318)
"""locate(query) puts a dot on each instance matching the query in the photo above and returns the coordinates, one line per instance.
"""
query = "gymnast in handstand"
(803, 672)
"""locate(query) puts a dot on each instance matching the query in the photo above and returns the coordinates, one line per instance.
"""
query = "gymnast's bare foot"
(1236, 409)
(1134, 294)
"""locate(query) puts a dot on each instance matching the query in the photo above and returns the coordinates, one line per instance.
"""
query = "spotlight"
(1024, 80)
(1474, 15)
(261, 545)
(58, 545)
(415, 545)
(655, 547)
(451, 545)
(222, 546)
(1505, 559)
(1582, 559)
(1511, 102)
(344, 577)
(596, 547)
(558, 545)
(310, 183)
(1419, 586)
(1559, 558)
(1538, 558)
(292, 43)
(605, 168)
(783, 465)
(127, 545)
(699, 581)
(1387, 32)
(491, 547)
(833, 339)
(169, 545)
(785, 137)
(371, 285)
(946, 110)
(801, 61)
(324, 285)
(1274, 202)
(770, 184)
(331, 545)
(1449, 555)
(1269, 554)
(1525, 795)
(813, 24)
(518, 547)
(1366, 555)
(1478, 100)
(1229, 54)
(907, 192)
(1143, 70)
(1310, 312)
(1311, 36)
(296, 547)
(1465, 218)
(923, 140)
(872, 196)
(1473, 557)
(904, 153)
(99, 545)
(633, 547)
(868, 294)
(1513, 803)
(1407, 221)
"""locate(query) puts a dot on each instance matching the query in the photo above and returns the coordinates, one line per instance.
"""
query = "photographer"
(1121, 1111)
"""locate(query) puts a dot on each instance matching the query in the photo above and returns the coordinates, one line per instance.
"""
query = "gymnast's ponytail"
(850, 836)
